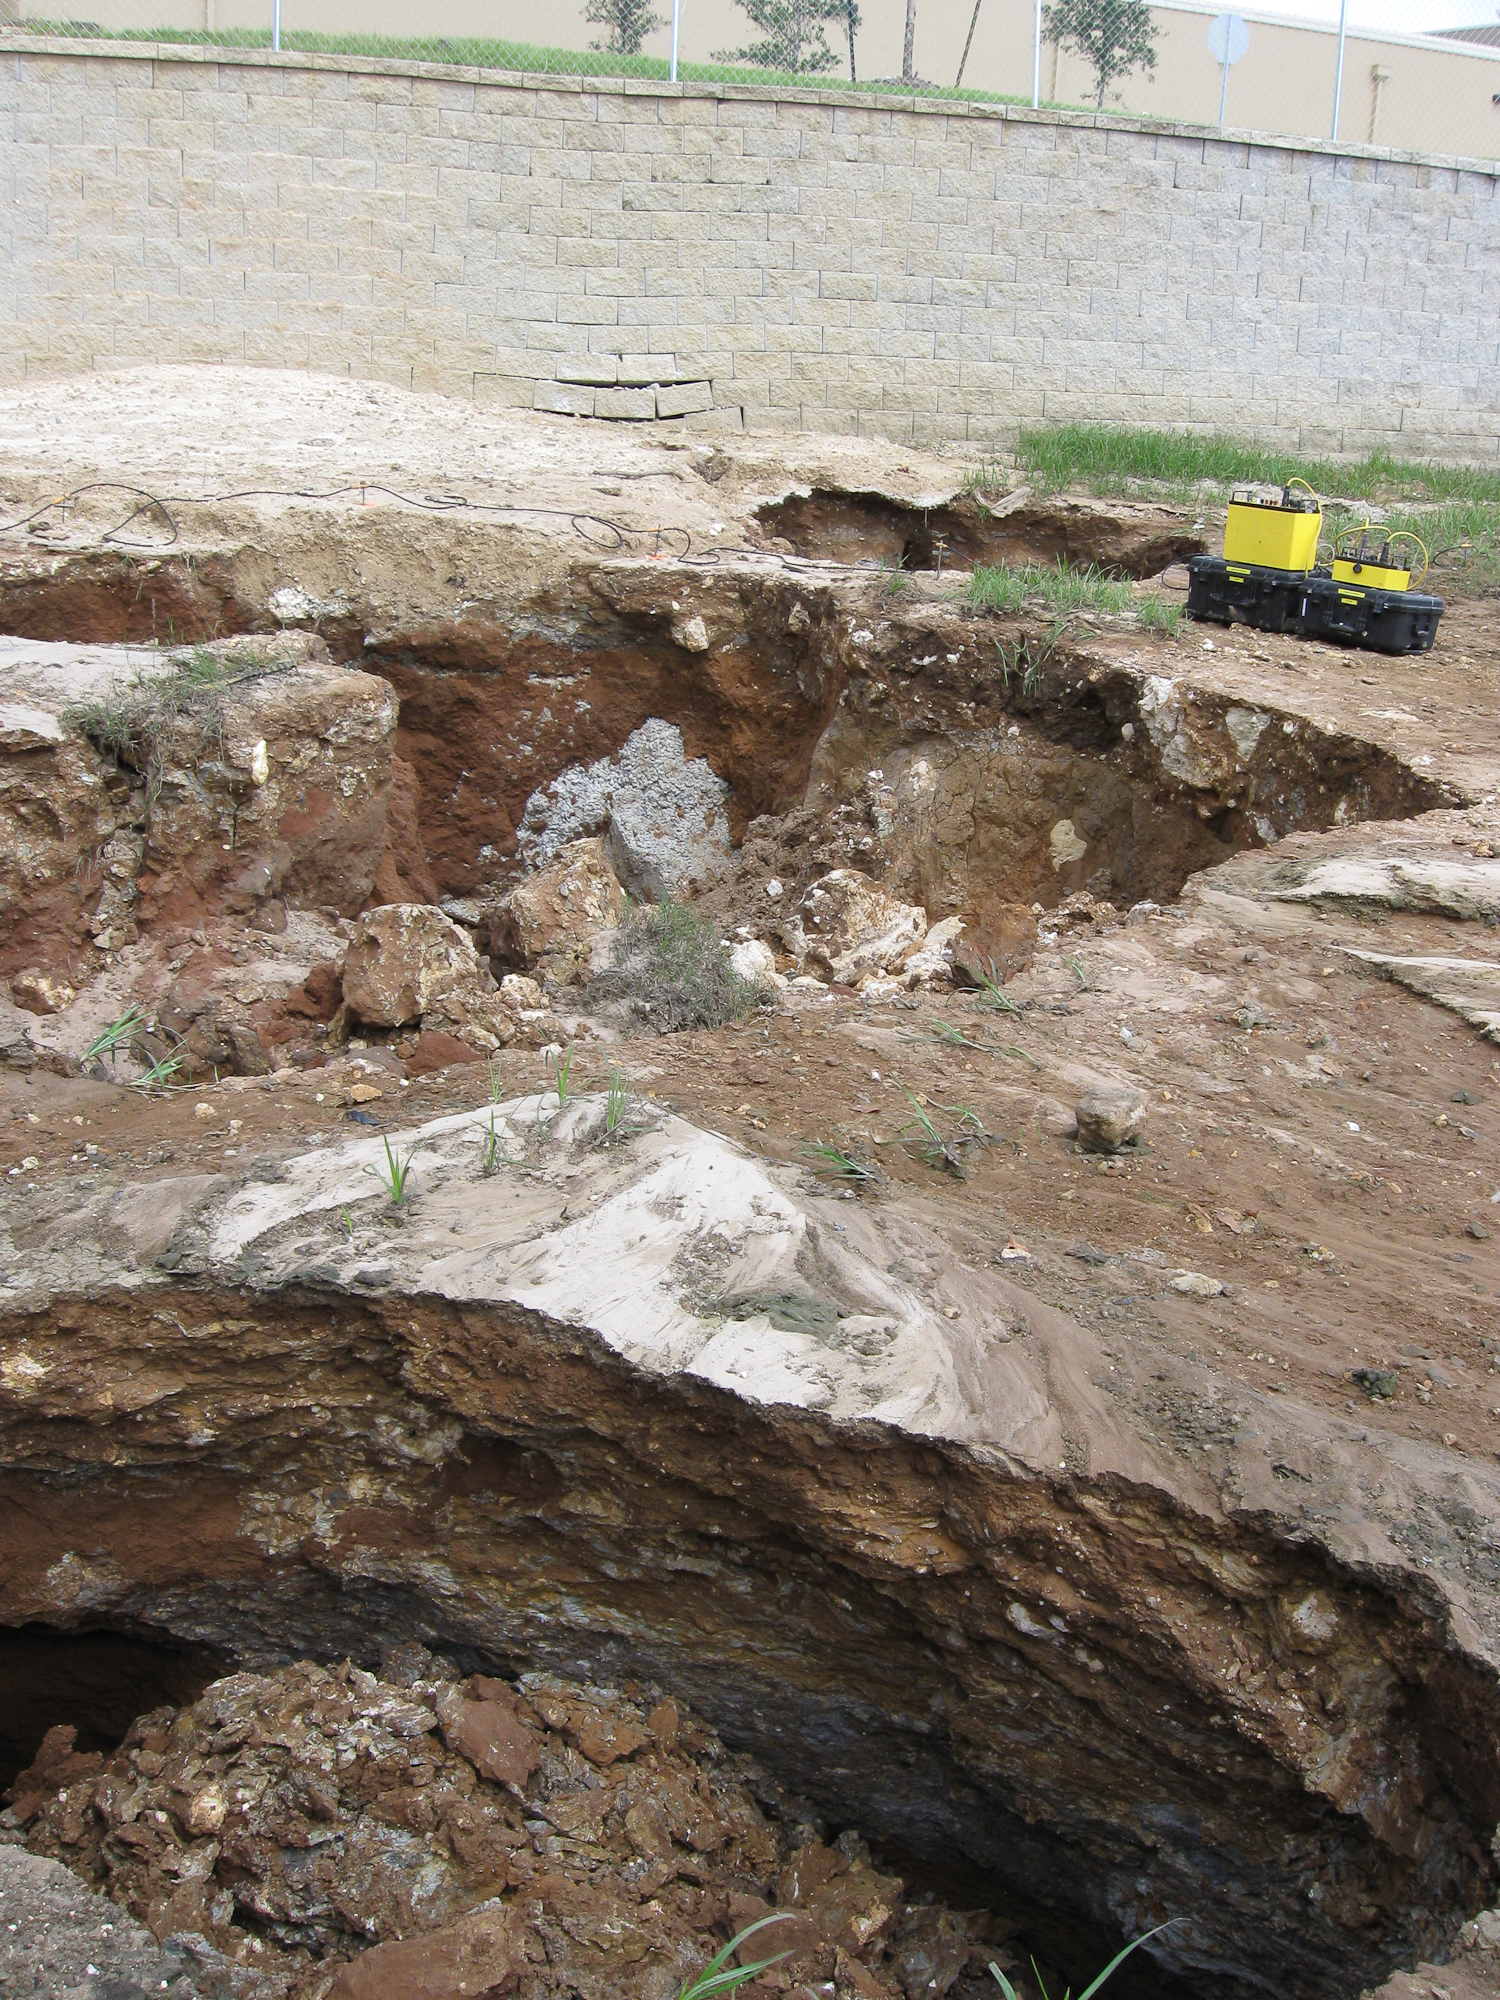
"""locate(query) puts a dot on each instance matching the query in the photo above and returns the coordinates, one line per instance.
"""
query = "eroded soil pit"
(1032, 1523)
(871, 529)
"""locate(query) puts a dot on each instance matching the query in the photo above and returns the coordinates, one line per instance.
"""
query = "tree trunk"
(852, 77)
(907, 74)
(963, 62)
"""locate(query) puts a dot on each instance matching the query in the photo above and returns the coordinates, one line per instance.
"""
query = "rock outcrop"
(408, 963)
(647, 1403)
(849, 929)
(143, 789)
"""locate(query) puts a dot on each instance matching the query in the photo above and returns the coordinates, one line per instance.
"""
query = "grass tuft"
(1062, 587)
(134, 721)
(674, 967)
(947, 1151)
(562, 1073)
(837, 1163)
(719, 1976)
(394, 1174)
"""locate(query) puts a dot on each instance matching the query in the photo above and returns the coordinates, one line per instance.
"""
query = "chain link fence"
(1430, 92)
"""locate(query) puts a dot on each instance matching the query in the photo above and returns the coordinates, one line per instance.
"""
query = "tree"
(1113, 36)
(628, 21)
(796, 38)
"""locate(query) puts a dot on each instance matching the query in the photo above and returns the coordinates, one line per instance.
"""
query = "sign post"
(1036, 60)
(1338, 75)
(676, 17)
(1228, 39)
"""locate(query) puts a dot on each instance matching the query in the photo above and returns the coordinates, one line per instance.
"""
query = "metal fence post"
(676, 17)
(1036, 60)
(1338, 76)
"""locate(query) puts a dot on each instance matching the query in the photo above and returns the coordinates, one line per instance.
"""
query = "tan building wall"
(806, 259)
(1413, 92)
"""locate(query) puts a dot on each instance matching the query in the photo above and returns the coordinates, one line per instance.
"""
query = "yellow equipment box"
(1374, 560)
(1374, 576)
(1275, 529)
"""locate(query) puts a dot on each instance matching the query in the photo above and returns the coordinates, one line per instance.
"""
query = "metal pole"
(676, 17)
(1223, 95)
(276, 25)
(1338, 80)
(1036, 60)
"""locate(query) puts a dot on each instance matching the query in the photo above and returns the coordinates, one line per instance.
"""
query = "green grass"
(1156, 614)
(562, 1071)
(483, 52)
(1462, 539)
(837, 1163)
(1114, 459)
(719, 1976)
(394, 1175)
(1093, 1986)
(1065, 590)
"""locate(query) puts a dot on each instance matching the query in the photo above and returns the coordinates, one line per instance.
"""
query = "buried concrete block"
(684, 399)
(564, 399)
(626, 405)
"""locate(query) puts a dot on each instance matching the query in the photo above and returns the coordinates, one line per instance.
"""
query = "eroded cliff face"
(597, 1418)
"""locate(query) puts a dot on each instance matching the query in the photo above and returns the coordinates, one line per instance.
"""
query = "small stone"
(41, 992)
(691, 634)
(364, 1093)
(1379, 1384)
(204, 1111)
(753, 961)
(1478, 1231)
(774, 890)
(1109, 1117)
(1194, 1285)
(519, 992)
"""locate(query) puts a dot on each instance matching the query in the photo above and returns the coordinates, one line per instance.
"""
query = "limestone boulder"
(408, 963)
(1109, 1117)
(554, 913)
(40, 992)
(850, 928)
(931, 964)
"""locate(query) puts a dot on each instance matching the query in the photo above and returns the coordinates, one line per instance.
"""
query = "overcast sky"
(1402, 17)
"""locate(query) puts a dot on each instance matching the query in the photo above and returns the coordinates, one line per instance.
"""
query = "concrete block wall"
(721, 255)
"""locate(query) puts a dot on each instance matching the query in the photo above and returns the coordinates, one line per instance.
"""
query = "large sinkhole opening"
(1066, 1703)
(961, 760)
(95, 1682)
(871, 528)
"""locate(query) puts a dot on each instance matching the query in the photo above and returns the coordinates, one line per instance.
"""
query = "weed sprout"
(394, 1174)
